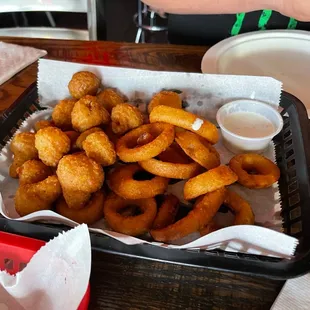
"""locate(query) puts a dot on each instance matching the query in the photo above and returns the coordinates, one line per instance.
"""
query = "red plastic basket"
(16, 251)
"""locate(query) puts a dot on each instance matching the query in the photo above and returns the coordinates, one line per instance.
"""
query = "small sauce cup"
(237, 143)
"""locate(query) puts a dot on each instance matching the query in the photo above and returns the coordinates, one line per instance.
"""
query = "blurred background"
(113, 20)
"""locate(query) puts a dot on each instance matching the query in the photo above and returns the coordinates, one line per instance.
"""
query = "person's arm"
(299, 9)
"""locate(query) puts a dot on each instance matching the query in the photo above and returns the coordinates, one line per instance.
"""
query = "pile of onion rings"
(115, 162)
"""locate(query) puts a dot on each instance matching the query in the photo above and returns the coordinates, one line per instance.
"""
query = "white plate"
(282, 54)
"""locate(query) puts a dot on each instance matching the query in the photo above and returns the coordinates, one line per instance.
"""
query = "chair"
(145, 21)
(47, 6)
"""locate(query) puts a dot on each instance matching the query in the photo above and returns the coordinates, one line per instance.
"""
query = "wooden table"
(128, 283)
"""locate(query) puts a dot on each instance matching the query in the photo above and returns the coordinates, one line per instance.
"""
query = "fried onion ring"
(186, 120)
(125, 117)
(129, 225)
(171, 164)
(198, 149)
(127, 147)
(202, 213)
(209, 181)
(209, 228)
(268, 172)
(122, 182)
(145, 138)
(167, 212)
(90, 214)
(243, 212)
(241, 208)
(167, 98)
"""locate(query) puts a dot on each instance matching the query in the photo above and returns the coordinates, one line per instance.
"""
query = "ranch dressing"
(248, 124)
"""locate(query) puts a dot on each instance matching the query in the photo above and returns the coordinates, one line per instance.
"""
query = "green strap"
(292, 24)
(238, 24)
(262, 23)
(264, 19)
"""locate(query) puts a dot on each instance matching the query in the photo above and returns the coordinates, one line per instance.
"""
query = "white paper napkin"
(14, 58)
(294, 295)
(56, 277)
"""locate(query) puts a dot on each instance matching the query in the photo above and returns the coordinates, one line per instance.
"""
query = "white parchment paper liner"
(204, 94)
(56, 277)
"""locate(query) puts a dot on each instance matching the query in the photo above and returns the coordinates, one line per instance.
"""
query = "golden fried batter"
(209, 181)
(267, 172)
(76, 200)
(129, 225)
(90, 214)
(122, 182)
(199, 149)
(43, 124)
(109, 99)
(38, 196)
(125, 117)
(98, 147)
(83, 135)
(168, 98)
(33, 171)
(88, 113)
(73, 136)
(83, 83)
(79, 177)
(62, 113)
(23, 148)
(109, 132)
(51, 144)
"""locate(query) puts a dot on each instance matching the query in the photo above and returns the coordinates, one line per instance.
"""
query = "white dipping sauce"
(248, 124)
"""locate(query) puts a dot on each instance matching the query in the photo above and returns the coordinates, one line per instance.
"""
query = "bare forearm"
(211, 6)
(300, 9)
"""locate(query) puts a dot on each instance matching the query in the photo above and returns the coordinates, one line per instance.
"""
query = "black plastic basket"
(293, 158)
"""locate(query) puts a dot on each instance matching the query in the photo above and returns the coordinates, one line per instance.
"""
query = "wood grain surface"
(128, 283)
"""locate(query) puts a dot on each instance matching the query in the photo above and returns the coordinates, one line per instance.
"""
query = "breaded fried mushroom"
(109, 99)
(62, 113)
(83, 83)
(84, 134)
(43, 124)
(88, 113)
(98, 147)
(23, 148)
(33, 171)
(79, 177)
(125, 117)
(52, 144)
(37, 196)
